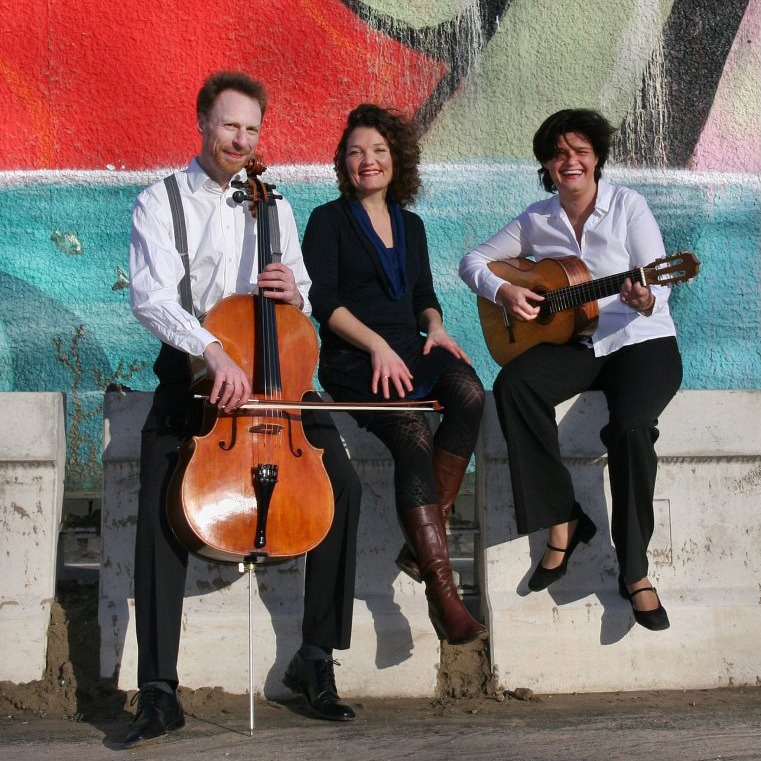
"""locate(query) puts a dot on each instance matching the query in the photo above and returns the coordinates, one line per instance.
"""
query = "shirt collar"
(602, 200)
(199, 180)
(604, 195)
(554, 205)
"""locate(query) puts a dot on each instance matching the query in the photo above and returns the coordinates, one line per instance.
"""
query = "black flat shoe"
(656, 620)
(315, 681)
(158, 713)
(542, 577)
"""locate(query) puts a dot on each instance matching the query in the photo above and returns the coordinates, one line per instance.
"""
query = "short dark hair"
(591, 124)
(229, 80)
(402, 137)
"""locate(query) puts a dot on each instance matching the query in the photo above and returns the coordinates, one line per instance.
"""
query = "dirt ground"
(73, 689)
(74, 714)
(71, 686)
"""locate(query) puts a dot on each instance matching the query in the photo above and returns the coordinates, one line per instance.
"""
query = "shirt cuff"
(199, 340)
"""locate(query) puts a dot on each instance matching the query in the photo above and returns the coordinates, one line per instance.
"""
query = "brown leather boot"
(448, 472)
(424, 530)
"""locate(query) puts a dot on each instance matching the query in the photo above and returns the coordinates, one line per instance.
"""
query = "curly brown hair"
(402, 136)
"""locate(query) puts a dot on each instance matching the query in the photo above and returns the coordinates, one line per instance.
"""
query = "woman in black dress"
(383, 339)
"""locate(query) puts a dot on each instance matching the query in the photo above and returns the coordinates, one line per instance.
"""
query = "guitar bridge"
(508, 326)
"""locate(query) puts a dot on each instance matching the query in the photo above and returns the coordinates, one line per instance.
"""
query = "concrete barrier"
(32, 464)
(579, 635)
(394, 649)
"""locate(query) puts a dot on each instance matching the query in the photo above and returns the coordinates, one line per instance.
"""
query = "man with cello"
(195, 211)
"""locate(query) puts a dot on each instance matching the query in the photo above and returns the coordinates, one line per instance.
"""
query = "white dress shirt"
(620, 234)
(222, 248)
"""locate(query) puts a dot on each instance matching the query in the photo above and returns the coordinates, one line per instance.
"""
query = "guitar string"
(678, 270)
(581, 293)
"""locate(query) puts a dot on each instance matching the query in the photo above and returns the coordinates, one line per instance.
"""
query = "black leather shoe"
(656, 620)
(542, 577)
(316, 682)
(158, 713)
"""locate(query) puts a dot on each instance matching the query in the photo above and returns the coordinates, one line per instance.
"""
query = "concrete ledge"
(32, 464)
(580, 636)
(394, 650)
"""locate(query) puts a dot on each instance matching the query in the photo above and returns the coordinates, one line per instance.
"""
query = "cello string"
(272, 374)
(263, 307)
(273, 234)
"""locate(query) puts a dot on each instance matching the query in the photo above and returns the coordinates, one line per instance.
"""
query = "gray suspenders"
(180, 240)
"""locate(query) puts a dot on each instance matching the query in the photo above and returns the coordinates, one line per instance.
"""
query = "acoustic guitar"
(569, 310)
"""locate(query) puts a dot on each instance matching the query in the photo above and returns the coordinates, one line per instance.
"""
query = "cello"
(237, 495)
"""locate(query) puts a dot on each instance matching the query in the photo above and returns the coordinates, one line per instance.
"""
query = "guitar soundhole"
(545, 311)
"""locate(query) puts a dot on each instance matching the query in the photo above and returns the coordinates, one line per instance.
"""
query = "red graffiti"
(88, 86)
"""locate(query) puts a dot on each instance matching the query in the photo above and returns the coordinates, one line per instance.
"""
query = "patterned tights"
(411, 441)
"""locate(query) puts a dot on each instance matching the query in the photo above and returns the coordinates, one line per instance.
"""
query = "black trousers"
(638, 381)
(161, 562)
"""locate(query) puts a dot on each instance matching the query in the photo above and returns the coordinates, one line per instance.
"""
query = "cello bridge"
(269, 429)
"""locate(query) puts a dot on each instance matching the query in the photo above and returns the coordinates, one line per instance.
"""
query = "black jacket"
(346, 271)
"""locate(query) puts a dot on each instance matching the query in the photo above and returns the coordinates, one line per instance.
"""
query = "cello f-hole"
(295, 451)
(233, 436)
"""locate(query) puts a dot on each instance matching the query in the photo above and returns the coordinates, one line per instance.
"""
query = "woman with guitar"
(383, 338)
(630, 354)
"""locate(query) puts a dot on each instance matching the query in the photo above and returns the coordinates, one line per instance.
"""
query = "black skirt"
(346, 374)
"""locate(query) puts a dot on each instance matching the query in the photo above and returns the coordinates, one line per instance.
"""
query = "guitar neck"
(572, 296)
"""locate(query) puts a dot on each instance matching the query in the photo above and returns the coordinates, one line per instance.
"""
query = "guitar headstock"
(675, 268)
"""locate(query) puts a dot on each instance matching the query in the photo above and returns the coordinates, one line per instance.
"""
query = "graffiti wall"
(99, 103)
